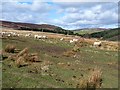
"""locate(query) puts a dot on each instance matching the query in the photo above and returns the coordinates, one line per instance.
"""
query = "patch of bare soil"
(50, 49)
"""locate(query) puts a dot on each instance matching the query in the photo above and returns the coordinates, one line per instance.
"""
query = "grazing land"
(87, 31)
(60, 64)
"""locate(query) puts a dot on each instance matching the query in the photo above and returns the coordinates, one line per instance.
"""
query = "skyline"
(68, 15)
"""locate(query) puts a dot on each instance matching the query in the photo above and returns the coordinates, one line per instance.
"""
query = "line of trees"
(56, 30)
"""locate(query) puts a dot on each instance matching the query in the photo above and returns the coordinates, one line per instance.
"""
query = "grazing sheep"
(9, 35)
(44, 37)
(61, 39)
(75, 40)
(39, 37)
(97, 43)
(35, 36)
(27, 35)
(71, 41)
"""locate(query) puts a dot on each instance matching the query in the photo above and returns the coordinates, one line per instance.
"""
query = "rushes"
(96, 77)
(93, 81)
(10, 48)
(22, 58)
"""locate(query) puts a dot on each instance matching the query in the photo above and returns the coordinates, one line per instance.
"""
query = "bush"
(10, 48)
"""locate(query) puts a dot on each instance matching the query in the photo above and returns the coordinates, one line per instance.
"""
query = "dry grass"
(20, 62)
(23, 58)
(93, 81)
(96, 77)
(10, 48)
(69, 53)
(76, 48)
(23, 52)
(31, 57)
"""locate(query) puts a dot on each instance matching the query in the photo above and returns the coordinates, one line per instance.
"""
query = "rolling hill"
(111, 34)
(88, 30)
(34, 27)
(19, 25)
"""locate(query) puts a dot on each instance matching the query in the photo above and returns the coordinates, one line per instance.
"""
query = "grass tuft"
(10, 48)
(93, 81)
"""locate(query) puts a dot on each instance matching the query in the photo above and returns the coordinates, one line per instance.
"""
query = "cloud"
(69, 15)
(99, 15)
(85, 0)
(24, 11)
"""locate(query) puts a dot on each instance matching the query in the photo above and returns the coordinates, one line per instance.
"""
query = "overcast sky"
(70, 14)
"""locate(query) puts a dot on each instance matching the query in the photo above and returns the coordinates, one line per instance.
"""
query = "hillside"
(34, 27)
(91, 29)
(52, 63)
(19, 25)
(88, 30)
(111, 34)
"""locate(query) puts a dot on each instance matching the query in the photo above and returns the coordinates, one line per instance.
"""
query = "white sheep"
(27, 35)
(71, 41)
(35, 36)
(97, 43)
(75, 40)
(9, 35)
(61, 39)
(44, 37)
(39, 37)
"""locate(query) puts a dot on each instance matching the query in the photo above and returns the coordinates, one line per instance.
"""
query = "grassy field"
(81, 32)
(52, 51)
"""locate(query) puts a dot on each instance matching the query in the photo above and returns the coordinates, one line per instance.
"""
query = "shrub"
(10, 48)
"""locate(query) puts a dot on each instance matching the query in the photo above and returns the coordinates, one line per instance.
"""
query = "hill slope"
(34, 27)
(88, 30)
(18, 25)
(111, 34)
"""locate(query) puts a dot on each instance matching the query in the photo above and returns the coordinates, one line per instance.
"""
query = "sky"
(68, 14)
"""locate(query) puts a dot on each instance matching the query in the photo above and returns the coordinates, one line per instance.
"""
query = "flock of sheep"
(10, 34)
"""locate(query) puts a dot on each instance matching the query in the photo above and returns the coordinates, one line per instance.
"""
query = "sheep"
(18, 35)
(75, 40)
(35, 36)
(9, 35)
(71, 41)
(97, 43)
(27, 35)
(61, 39)
(39, 37)
(44, 37)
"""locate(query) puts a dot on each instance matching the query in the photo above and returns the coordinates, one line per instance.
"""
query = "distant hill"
(88, 30)
(34, 27)
(111, 34)
(91, 29)
(19, 25)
